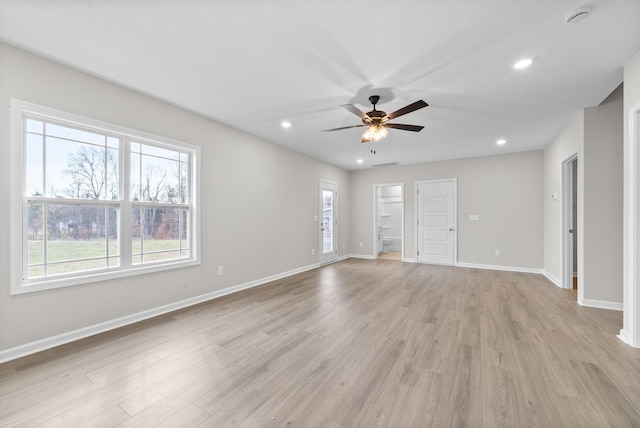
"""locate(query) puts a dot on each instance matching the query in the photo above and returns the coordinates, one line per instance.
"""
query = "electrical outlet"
(361, 245)
(313, 252)
(220, 270)
(498, 253)
(344, 245)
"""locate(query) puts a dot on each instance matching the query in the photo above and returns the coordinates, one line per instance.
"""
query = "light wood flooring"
(358, 343)
(391, 255)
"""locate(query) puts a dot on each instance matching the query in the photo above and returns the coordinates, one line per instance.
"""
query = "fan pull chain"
(373, 147)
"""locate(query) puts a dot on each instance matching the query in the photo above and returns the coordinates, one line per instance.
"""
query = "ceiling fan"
(377, 121)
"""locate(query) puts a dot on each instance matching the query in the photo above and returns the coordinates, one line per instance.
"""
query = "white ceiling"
(251, 64)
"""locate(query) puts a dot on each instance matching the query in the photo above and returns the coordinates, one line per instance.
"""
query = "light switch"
(474, 217)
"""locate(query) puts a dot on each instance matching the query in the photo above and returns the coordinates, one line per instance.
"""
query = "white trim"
(64, 338)
(566, 222)
(625, 337)
(362, 256)
(410, 260)
(553, 279)
(601, 304)
(502, 268)
(630, 333)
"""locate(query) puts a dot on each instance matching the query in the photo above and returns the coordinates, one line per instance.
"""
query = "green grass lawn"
(64, 256)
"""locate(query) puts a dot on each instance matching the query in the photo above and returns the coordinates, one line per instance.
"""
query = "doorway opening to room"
(570, 223)
(389, 221)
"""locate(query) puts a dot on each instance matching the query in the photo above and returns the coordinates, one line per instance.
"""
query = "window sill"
(89, 278)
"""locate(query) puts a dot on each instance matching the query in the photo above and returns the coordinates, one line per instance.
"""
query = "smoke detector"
(576, 16)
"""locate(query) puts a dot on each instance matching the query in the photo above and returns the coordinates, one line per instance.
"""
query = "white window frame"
(18, 212)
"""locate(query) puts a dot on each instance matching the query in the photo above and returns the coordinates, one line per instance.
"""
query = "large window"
(96, 200)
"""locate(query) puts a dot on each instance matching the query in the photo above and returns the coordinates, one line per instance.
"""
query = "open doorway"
(389, 221)
(570, 223)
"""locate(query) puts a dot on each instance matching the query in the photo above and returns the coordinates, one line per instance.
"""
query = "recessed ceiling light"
(523, 63)
(286, 124)
(501, 142)
(360, 160)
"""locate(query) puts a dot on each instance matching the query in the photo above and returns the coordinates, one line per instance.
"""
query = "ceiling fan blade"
(414, 128)
(355, 110)
(407, 109)
(344, 127)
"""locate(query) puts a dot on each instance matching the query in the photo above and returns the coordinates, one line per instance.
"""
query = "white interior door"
(328, 193)
(436, 205)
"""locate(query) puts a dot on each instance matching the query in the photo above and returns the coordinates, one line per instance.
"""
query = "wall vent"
(379, 165)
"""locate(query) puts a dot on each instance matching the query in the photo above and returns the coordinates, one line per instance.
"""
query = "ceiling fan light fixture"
(374, 133)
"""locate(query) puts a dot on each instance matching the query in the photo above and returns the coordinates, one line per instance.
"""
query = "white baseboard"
(409, 260)
(497, 267)
(362, 256)
(625, 337)
(553, 279)
(601, 304)
(64, 338)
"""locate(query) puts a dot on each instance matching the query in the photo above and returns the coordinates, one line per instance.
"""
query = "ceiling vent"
(380, 165)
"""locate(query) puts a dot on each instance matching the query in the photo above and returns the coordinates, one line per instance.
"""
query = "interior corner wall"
(505, 191)
(565, 145)
(602, 191)
(595, 135)
(257, 204)
(631, 328)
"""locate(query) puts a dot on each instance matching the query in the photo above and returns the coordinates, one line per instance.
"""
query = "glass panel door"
(328, 195)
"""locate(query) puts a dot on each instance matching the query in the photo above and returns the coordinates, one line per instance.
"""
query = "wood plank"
(355, 343)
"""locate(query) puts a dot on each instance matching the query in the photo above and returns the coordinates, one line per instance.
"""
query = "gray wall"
(596, 136)
(565, 145)
(258, 202)
(504, 190)
(602, 197)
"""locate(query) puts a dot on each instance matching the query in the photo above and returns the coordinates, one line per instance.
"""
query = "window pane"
(158, 175)
(35, 165)
(184, 182)
(159, 234)
(327, 221)
(35, 241)
(135, 189)
(33, 125)
(113, 239)
(77, 238)
(77, 266)
(159, 152)
(75, 134)
(80, 171)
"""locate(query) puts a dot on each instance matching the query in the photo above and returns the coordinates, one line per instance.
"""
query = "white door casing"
(568, 205)
(328, 209)
(436, 221)
(630, 333)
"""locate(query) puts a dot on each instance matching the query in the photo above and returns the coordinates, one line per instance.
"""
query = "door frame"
(322, 257)
(630, 332)
(375, 216)
(567, 223)
(455, 215)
